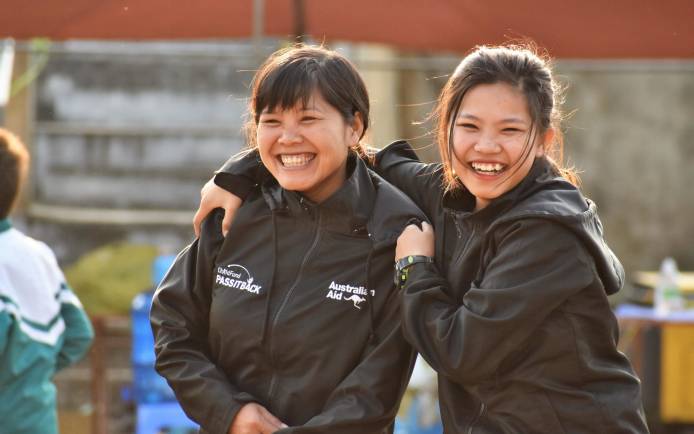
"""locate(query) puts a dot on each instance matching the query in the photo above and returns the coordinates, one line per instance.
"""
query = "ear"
(545, 142)
(356, 128)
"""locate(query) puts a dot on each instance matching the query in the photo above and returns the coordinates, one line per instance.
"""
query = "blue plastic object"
(412, 424)
(160, 267)
(164, 417)
(148, 386)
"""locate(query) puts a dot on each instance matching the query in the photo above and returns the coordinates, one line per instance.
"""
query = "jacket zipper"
(467, 242)
(273, 379)
(458, 230)
(477, 417)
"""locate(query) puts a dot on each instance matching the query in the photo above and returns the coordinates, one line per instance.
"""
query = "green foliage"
(107, 279)
(41, 51)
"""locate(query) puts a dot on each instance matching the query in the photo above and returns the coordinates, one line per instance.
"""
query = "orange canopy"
(567, 28)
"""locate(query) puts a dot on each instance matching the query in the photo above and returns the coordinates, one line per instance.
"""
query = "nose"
(487, 145)
(290, 135)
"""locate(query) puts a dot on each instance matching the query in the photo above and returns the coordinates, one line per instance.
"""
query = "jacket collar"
(5, 225)
(347, 210)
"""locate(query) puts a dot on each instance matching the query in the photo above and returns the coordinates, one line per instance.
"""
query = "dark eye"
(308, 118)
(511, 130)
(467, 126)
(269, 121)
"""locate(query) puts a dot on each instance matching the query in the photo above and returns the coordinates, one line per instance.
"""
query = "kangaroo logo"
(345, 292)
(356, 300)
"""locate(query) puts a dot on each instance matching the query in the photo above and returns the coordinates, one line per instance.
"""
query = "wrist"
(408, 260)
(402, 266)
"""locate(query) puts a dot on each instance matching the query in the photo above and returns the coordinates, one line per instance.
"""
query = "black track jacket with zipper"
(295, 310)
(513, 315)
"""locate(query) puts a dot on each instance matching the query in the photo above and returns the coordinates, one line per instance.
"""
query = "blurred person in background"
(43, 327)
(290, 323)
(508, 302)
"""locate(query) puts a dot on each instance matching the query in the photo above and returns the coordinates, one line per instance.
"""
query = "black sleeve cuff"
(239, 186)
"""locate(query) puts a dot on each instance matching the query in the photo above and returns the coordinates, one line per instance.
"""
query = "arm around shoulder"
(241, 173)
(423, 183)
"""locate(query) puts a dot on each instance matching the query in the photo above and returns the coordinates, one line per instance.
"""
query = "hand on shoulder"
(415, 241)
(212, 196)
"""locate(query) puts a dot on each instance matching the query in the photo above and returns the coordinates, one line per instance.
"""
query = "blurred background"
(128, 108)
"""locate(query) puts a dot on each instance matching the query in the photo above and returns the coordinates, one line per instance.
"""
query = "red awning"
(567, 28)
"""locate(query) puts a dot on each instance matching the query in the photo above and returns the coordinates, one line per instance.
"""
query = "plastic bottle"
(667, 297)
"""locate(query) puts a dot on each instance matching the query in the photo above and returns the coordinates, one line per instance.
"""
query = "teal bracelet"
(402, 266)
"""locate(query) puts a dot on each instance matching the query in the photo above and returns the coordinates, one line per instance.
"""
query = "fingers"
(426, 228)
(270, 422)
(203, 209)
(228, 218)
(197, 221)
(409, 229)
(415, 241)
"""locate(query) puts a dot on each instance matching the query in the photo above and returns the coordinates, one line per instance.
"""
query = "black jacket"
(295, 310)
(514, 314)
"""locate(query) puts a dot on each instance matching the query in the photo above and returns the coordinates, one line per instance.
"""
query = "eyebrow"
(505, 120)
(313, 107)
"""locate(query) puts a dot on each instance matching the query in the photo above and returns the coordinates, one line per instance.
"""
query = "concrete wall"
(123, 136)
(632, 135)
(140, 127)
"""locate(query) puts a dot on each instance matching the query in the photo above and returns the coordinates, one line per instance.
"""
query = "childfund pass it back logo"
(237, 277)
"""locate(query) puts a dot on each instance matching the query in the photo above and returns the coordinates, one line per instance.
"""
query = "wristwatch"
(402, 266)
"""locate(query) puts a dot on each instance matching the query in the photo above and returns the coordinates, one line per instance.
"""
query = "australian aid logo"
(237, 277)
(349, 293)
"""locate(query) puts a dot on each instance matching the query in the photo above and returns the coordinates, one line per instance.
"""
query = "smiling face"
(305, 147)
(490, 140)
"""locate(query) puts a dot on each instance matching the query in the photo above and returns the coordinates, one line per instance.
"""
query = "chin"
(293, 185)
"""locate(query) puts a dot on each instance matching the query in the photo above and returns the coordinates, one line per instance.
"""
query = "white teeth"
(296, 160)
(488, 167)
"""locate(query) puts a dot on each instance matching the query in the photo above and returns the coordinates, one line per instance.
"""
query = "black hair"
(516, 65)
(291, 75)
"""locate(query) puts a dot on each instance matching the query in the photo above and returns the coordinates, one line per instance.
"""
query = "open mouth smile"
(488, 169)
(296, 160)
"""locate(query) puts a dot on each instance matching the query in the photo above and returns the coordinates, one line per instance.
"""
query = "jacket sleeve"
(397, 163)
(6, 320)
(537, 265)
(78, 329)
(367, 400)
(423, 183)
(241, 173)
(180, 317)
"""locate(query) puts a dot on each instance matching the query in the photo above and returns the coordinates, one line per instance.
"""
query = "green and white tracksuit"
(43, 328)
